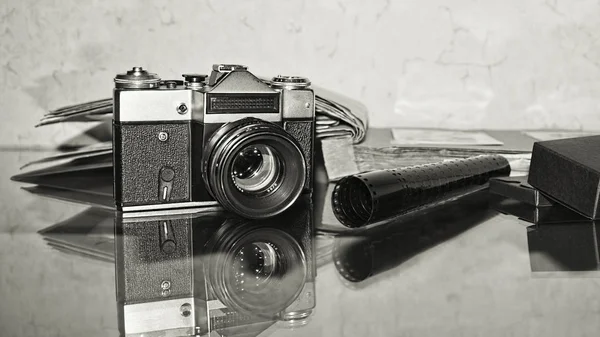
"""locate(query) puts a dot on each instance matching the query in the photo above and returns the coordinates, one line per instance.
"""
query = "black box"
(568, 170)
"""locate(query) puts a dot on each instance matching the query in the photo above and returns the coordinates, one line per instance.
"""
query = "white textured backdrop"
(436, 63)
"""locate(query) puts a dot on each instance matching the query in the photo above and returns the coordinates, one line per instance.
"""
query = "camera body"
(191, 274)
(229, 138)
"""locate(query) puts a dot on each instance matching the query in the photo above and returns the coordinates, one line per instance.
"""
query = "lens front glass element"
(256, 169)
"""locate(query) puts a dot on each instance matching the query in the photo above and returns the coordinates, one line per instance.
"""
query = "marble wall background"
(436, 63)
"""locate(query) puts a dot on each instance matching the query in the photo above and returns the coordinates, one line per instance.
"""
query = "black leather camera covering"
(142, 265)
(139, 157)
(304, 133)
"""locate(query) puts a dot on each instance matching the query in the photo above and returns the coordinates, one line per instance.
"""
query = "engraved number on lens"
(257, 169)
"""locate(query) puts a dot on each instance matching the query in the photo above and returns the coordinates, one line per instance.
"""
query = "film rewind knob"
(137, 78)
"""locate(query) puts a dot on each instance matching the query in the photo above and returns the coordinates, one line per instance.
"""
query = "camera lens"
(254, 168)
(256, 270)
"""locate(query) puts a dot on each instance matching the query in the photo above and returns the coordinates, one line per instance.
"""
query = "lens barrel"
(254, 187)
(371, 197)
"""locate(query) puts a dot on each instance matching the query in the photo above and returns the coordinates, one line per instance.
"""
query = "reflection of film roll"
(372, 251)
(361, 257)
(366, 198)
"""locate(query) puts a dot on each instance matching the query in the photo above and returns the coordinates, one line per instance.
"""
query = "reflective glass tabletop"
(461, 269)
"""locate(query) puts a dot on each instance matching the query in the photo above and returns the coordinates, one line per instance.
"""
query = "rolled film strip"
(367, 198)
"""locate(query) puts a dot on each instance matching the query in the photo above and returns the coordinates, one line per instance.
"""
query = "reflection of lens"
(256, 270)
(256, 169)
(255, 266)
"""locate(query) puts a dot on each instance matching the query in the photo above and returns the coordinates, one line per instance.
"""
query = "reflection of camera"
(206, 272)
(229, 138)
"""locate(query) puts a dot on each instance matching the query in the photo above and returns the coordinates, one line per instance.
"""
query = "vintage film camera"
(199, 273)
(229, 138)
